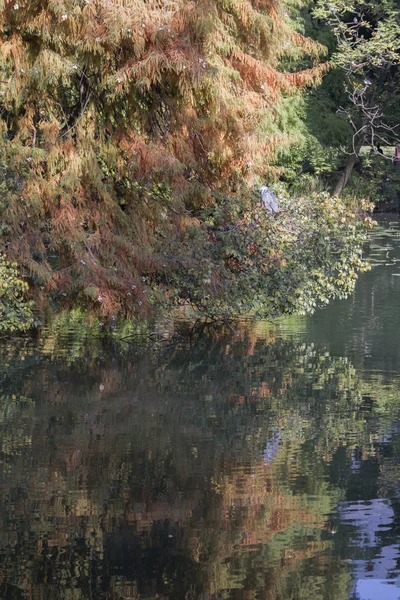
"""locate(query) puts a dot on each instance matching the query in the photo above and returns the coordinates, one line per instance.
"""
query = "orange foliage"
(106, 104)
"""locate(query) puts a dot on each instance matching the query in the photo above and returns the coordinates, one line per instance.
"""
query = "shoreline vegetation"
(136, 136)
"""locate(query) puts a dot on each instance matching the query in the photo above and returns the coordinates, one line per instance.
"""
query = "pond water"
(259, 463)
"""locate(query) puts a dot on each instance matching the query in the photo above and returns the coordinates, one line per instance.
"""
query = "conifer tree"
(120, 121)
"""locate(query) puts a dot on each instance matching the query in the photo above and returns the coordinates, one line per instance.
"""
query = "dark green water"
(260, 464)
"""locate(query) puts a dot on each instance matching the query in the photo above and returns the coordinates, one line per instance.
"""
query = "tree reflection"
(203, 471)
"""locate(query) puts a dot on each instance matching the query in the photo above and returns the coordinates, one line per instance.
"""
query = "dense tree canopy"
(133, 135)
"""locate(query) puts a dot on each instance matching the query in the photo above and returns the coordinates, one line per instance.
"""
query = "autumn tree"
(122, 122)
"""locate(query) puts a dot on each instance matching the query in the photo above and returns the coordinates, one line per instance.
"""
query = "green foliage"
(368, 53)
(257, 264)
(15, 313)
(364, 30)
(120, 120)
(128, 129)
(320, 133)
(376, 178)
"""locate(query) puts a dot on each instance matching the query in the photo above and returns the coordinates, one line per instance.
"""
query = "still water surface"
(257, 464)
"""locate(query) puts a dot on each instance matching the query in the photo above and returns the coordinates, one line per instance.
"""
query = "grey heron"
(268, 199)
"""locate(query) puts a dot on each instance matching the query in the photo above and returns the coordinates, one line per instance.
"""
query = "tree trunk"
(351, 162)
(347, 171)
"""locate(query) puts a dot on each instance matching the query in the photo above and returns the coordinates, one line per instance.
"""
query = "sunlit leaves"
(15, 313)
(119, 120)
(303, 257)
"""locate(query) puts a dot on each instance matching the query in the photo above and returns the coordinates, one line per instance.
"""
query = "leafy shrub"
(240, 260)
(15, 313)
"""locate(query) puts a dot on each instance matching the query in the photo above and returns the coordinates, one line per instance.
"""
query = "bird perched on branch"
(268, 199)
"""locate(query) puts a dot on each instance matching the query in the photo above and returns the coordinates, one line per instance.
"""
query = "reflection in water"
(243, 466)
